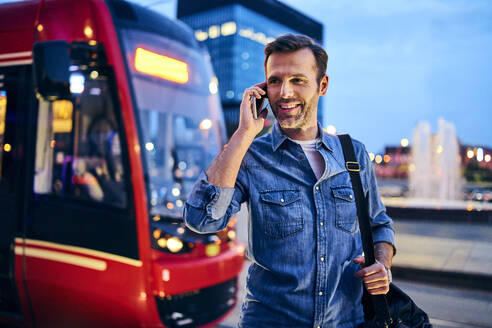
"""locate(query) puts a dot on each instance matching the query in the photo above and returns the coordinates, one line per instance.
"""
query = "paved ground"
(453, 253)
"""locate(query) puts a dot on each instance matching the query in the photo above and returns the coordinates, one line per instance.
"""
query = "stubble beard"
(300, 120)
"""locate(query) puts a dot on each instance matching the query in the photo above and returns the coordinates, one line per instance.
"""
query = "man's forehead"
(298, 62)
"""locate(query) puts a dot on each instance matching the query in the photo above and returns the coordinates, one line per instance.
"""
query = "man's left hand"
(375, 277)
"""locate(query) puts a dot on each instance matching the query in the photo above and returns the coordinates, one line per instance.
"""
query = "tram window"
(3, 114)
(11, 83)
(78, 150)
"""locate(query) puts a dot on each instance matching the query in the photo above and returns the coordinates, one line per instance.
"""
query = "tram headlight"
(174, 244)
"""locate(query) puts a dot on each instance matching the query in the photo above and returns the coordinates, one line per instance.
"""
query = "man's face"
(293, 90)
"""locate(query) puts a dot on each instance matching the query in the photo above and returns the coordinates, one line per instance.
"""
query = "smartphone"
(257, 104)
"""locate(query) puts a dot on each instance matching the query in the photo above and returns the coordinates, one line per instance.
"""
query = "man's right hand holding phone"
(223, 171)
(247, 123)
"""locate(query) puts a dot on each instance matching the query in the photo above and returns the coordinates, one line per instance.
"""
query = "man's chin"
(289, 123)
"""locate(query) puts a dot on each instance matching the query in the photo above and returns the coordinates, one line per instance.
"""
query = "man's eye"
(273, 81)
(297, 80)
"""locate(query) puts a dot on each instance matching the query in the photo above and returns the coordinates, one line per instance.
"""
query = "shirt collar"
(278, 137)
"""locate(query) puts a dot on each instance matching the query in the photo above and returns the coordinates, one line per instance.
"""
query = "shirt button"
(320, 293)
(281, 200)
(350, 196)
(321, 223)
(318, 327)
(322, 259)
(317, 188)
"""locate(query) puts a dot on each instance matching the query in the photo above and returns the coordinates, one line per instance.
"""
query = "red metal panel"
(17, 26)
(65, 293)
(184, 275)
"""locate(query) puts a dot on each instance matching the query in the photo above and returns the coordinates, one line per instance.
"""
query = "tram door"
(15, 95)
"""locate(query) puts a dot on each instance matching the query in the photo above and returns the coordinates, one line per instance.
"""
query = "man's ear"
(323, 85)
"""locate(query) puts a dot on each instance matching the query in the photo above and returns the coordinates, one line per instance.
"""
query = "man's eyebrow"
(291, 76)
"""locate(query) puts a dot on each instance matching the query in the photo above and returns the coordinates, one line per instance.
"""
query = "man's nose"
(286, 91)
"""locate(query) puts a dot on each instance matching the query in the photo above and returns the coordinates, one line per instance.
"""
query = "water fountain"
(435, 179)
(435, 169)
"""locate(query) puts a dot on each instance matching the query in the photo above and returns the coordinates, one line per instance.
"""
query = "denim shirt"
(303, 232)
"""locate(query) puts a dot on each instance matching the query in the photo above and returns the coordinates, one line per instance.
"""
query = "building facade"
(235, 33)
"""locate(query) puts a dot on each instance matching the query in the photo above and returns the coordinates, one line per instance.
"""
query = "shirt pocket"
(345, 208)
(281, 212)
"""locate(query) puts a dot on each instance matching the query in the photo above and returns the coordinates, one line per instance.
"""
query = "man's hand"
(247, 123)
(375, 277)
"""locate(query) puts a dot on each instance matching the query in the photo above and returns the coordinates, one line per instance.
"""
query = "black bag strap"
(379, 302)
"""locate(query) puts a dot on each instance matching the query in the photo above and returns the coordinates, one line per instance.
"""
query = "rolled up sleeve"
(209, 207)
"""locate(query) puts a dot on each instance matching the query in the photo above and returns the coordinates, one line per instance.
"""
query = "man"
(304, 242)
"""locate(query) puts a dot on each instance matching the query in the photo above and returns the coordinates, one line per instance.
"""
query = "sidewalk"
(462, 258)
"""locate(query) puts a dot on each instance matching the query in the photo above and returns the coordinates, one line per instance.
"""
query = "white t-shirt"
(314, 157)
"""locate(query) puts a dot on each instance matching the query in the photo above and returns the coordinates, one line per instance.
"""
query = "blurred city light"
(149, 146)
(213, 86)
(331, 129)
(77, 82)
(231, 234)
(487, 158)
(470, 153)
(404, 142)
(378, 159)
(439, 149)
(212, 250)
(174, 244)
(162, 242)
(7, 147)
(88, 32)
(157, 233)
(206, 124)
(387, 158)
(200, 35)
(480, 154)
(228, 28)
(371, 156)
(213, 32)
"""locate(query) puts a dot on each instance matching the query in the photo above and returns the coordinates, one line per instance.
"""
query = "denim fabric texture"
(303, 232)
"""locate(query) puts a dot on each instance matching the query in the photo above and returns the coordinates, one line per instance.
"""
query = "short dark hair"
(290, 43)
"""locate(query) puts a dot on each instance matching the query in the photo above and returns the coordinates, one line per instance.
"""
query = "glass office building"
(235, 33)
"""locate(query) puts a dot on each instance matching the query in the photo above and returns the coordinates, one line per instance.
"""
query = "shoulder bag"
(395, 309)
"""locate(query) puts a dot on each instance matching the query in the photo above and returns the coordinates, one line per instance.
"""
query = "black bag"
(395, 309)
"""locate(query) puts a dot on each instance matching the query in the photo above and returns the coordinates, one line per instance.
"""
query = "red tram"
(108, 113)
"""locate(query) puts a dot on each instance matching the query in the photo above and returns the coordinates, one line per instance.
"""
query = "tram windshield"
(180, 117)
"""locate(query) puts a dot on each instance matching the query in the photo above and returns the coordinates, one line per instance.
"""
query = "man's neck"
(306, 133)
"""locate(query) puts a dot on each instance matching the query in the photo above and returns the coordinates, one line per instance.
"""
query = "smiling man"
(304, 241)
